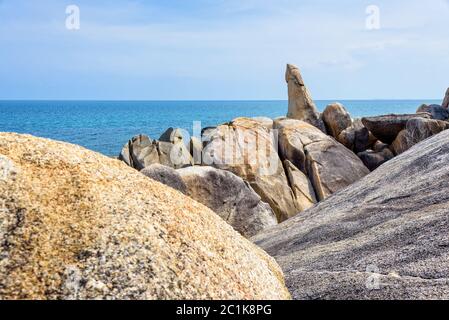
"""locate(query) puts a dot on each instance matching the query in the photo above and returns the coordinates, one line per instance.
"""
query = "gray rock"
(357, 137)
(300, 103)
(230, 197)
(373, 159)
(328, 164)
(172, 135)
(417, 130)
(436, 112)
(165, 175)
(139, 152)
(384, 237)
(336, 119)
(301, 186)
(446, 100)
(386, 128)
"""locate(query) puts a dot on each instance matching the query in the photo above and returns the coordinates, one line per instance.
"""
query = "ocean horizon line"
(206, 100)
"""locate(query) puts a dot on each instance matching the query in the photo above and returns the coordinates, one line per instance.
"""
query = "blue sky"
(222, 49)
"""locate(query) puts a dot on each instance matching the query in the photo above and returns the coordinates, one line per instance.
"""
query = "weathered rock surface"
(265, 121)
(300, 103)
(373, 159)
(336, 119)
(417, 130)
(230, 197)
(140, 152)
(386, 128)
(357, 137)
(436, 112)
(301, 186)
(246, 148)
(446, 100)
(328, 164)
(165, 175)
(384, 237)
(172, 135)
(79, 225)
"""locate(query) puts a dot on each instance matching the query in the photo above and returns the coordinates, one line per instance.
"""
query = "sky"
(223, 49)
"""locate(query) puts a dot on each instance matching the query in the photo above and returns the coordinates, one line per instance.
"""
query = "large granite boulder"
(165, 175)
(301, 186)
(384, 237)
(172, 135)
(265, 122)
(357, 137)
(300, 103)
(417, 130)
(328, 164)
(246, 148)
(386, 128)
(436, 112)
(230, 197)
(141, 151)
(446, 100)
(79, 225)
(336, 119)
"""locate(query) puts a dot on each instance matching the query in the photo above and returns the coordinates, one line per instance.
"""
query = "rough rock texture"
(79, 225)
(300, 103)
(172, 135)
(387, 127)
(328, 164)
(196, 150)
(446, 100)
(166, 175)
(265, 121)
(417, 130)
(301, 186)
(336, 119)
(373, 159)
(246, 148)
(436, 112)
(140, 152)
(357, 137)
(384, 237)
(230, 197)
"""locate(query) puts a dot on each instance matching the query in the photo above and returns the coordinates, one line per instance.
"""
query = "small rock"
(374, 159)
(336, 119)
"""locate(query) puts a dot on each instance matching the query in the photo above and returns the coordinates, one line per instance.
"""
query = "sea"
(105, 126)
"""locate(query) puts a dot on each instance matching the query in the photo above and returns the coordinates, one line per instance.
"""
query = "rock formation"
(387, 127)
(446, 100)
(328, 164)
(245, 148)
(357, 137)
(417, 130)
(384, 237)
(230, 197)
(301, 186)
(300, 103)
(373, 159)
(79, 225)
(165, 175)
(436, 112)
(336, 119)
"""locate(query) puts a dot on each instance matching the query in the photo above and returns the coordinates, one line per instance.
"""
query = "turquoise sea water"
(104, 126)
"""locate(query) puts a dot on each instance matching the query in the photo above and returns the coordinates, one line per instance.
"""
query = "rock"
(166, 175)
(328, 164)
(373, 159)
(300, 103)
(357, 137)
(436, 112)
(246, 148)
(387, 127)
(417, 130)
(336, 119)
(172, 135)
(196, 150)
(265, 122)
(379, 146)
(230, 197)
(138, 152)
(301, 186)
(384, 237)
(446, 100)
(79, 225)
